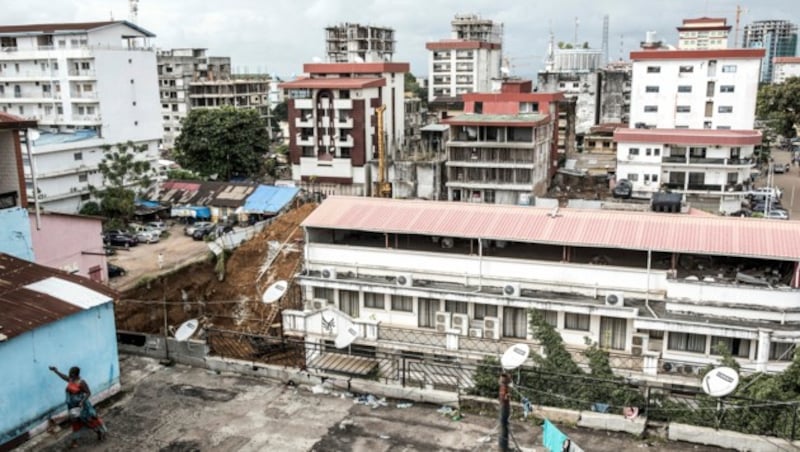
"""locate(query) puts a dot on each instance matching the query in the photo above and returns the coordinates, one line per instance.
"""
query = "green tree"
(225, 142)
(182, 174)
(281, 111)
(91, 208)
(411, 86)
(124, 173)
(779, 104)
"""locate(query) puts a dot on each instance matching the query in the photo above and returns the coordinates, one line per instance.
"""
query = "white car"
(148, 235)
(777, 215)
(189, 230)
(159, 226)
(774, 192)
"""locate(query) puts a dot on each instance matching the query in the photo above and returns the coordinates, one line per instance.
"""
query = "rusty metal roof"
(716, 235)
(32, 295)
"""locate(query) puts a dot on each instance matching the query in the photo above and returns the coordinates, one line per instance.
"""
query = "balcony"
(81, 73)
(28, 75)
(304, 122)
(87, 119)
(303, 104)
(343, 104)
(681, 160)
(83, 96)
(305, 140)
(344, 123)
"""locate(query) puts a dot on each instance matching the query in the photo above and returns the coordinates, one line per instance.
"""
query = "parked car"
(763, 192)
(777, 214)
(762, 206)
(200, 232)
(148, 236)
(115, 270)
(189, 230)
(623, 189)
(780, 168)
(119, 238)
(159, 226)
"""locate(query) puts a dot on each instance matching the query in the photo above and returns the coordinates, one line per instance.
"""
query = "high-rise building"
(777, 37)
(88, 85)
(785, 67)
(468, 61)
(704, 33)
(356, 43)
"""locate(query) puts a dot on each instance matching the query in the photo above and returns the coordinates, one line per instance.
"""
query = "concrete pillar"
(762, 357)
(452, 339)
(650, 363)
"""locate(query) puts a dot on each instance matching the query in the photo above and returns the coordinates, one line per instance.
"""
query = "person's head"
(74, 372)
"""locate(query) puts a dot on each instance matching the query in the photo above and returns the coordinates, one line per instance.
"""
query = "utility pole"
(505, 411)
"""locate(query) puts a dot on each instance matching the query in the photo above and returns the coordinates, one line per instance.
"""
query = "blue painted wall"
(15, 233)
(30, 392)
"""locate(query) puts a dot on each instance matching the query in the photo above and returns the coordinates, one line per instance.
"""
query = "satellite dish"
(346, 337)
(515, 356)
(187, 330)
(274, 292)
(720, 381)
(34, 134)
(504, 70)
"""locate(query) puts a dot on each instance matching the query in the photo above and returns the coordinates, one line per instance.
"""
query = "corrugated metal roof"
(33, 295)
(725, 236)
(269, 199)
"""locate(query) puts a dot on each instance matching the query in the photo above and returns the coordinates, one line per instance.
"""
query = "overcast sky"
(278, 36)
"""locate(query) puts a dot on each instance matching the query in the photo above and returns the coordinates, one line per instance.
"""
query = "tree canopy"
(779, 104)
(123, 173)
(225, 142)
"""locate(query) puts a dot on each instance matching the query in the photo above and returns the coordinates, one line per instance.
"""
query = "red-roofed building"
(704, 33)
(784, 68)
(332, 123)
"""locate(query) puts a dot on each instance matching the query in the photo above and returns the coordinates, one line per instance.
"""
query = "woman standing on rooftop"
(81, 410)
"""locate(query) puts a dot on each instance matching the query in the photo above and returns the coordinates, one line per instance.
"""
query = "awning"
(344, 364)
(435, 128)
(191, 212)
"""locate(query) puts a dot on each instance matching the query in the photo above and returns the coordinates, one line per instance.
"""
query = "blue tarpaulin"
(191, 211)
(268, 199)
(148, 204)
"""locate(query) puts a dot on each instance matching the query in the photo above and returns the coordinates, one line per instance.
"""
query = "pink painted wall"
(70, 241)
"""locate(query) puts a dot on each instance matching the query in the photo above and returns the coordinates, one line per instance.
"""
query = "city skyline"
(278, 37)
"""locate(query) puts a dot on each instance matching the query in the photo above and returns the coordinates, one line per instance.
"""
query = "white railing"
(740, 295)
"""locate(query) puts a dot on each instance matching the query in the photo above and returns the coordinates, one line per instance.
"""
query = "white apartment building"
(695, 89)
(696, 162)
(455, 281)
(468, 61)
(785, 67)
(704, 33)
(88, 85)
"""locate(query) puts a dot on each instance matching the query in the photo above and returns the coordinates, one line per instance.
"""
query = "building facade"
(332, 124)
(659, 292)
(15, 233)
(356, 43)
(468, 61)
(704, 33)
(784, 68)
(695, 89)
(177, 69)
(778, 38)
(87, 85)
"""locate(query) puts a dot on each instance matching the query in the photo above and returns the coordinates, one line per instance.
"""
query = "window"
(578, 322)
(633, 177)
(729, 68)
(633, 151)
(687, 342)
(485, 310)
(651, 89)
(374, 300)
(736, 347)
(344, 94)
(515, 322)
(653, 69)
(648, 151)
(781, 351)
(77, 156)
(725, 109)
(726, 88)
(478, 107)
(613, 333)
(83, 178)
(348, 302)
(550, 317)
(85, 65)
(86, 197)
(402, 303)
(656, 152)
(686, 69)
(650, 108)
(427, 312)
(683, 109)
(324, 293)
(646, 178)
(654, 177)
(456, 307)
(684, 88)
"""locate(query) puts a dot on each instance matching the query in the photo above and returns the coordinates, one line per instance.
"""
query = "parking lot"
(142, 260)
(789, 182)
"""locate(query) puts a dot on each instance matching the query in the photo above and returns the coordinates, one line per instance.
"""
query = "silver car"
(148, 236)
(189, 230)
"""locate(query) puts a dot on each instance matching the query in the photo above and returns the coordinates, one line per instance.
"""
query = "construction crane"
(383, 188)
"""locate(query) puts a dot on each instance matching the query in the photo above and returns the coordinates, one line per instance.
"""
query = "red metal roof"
(8, 121)
(723, 236)
(696, 54)
(785, 60)
(355, 68)
(334, 83)
(23, 309)
(689, 136)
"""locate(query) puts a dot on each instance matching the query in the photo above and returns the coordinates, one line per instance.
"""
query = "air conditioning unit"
(460, 322)
(328, 273)
(316, 304)
(405, 280)
(615, 299)
(476, 332)
(491, 328)
(511, 290)
(639, 344)
(669, 368)
(688, 369)
(442, 322)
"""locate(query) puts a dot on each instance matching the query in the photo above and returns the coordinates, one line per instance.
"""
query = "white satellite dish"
(346, 337)
(34, 134)
(515, 356)
(720, 381)
(274, 292)
(187, 330)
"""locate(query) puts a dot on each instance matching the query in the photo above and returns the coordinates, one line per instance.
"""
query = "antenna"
(346, 337)
(514, 356)
(605, 39)
(133, 6)
(187, 330)
(577, 22)
(274, 292)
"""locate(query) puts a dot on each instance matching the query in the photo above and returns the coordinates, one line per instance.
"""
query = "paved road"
(789, 183)
(171, 409)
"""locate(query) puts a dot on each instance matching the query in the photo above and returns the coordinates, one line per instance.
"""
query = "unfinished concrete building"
(242, 93)
(356, 43)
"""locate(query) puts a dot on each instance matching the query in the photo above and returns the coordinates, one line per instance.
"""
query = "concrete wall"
(85, 339)
(71, 243)
(15, 233)
(728, 439)
(9, 175)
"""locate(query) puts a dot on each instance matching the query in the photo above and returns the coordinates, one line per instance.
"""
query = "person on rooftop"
(80, 408)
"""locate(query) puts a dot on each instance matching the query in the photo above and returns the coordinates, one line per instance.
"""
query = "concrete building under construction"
(356, 43)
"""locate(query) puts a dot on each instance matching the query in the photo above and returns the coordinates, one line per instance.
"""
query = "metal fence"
(531, 384)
